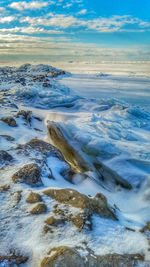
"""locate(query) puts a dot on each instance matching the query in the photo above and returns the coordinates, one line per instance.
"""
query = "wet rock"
(39, 208)
(54, 221)
(65, 256)
(7, 137)
(10, 121)
(5, 157)
(26, 115)
(33, 198)
(89, 205)
(72, 156)
(46, 84)
(29, 174)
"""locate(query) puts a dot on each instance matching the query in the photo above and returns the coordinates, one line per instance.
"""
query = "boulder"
(97, 205)
(146, 228)
(33, 198)
(38, 209)
(10, 121)
(71, 155)
(28, 174)
(5, 157)
(66, 257)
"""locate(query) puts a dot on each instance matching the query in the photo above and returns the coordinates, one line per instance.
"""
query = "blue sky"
(84, 30)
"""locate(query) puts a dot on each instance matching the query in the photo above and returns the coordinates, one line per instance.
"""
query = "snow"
(115, 131)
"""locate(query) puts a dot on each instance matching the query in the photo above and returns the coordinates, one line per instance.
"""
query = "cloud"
(29, 30)
(7, 19)
(82, 12)
(25, 5)
(111, 24)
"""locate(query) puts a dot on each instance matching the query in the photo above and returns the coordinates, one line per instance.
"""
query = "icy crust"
(36, 86)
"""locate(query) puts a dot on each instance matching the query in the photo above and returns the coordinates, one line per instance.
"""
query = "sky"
(75, 30)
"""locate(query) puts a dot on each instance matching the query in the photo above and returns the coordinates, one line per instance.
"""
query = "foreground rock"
(67, 257)
(28, 174)
(10, 121)
(5, 157)
(77, 163)
(26, 115)
(12, 260)
(97, 205)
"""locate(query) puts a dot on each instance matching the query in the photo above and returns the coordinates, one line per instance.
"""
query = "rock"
(28, 174)
(108, 175)
(46, 84)
(13, 259)
(7, 137)
(72, 156)
(42, 147)
(88, 205)
(4, 188)
(33, 198)
(146, 228)
(80, 219)
(5, 157)
(25, 114)
(39, 208)
(66, 257)
(10, 121)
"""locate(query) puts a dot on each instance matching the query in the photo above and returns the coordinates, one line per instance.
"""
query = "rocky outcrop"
(41, 147)
(38, 209)
(10, 121)
(97, 205)
(29, 174)
(71, 155)
(65, 256)
(5, 157)
(33, 198)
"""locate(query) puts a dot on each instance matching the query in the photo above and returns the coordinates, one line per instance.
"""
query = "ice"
(107, 118)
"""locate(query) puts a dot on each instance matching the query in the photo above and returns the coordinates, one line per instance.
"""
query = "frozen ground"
(107, 114)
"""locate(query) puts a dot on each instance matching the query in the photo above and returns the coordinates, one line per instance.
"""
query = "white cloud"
(28, 5)
(29, 30)
(82, 12)
(7, 19)
(111, 24)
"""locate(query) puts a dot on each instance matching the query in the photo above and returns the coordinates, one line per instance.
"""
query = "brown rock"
(13, 259)
(39, 208)
(33, 198)
(29, 174)
(4, 188)
(89, 205)
(10, 121)
(65, 256)
(25, 114)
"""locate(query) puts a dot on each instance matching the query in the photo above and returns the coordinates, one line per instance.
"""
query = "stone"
(33, 198)
(4, 188)
(71, 155)
(39, 209)
(10, 121)
(89, 205)
(66, 257)
(13, 260)
(5, 157)
(28, 174)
